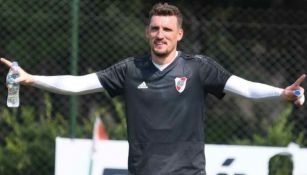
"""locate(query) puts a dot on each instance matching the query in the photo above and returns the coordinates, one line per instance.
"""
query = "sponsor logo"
(143, 85)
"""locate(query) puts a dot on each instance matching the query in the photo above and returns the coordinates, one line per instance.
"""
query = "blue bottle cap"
(297, 93)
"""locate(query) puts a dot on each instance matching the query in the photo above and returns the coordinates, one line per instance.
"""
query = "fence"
(79, 37)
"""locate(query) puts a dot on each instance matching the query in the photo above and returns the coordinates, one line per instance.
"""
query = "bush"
(279, 134)
(29, 142)
(27, 137)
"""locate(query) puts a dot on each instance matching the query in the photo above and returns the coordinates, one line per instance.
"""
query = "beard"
(161, 54)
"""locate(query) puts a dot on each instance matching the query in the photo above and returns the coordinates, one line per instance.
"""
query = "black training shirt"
(165, 111)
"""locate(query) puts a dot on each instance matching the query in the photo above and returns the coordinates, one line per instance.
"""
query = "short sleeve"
(113, 78)
(213, 76)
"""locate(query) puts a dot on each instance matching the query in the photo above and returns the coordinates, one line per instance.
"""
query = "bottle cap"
(297, 93)
(14, 66)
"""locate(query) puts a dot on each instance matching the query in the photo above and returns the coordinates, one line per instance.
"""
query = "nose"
(160, 34)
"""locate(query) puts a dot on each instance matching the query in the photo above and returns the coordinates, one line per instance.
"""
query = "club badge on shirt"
(180, 83)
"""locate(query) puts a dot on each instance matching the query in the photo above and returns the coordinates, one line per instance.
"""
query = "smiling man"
(163, 33)
(165, 95)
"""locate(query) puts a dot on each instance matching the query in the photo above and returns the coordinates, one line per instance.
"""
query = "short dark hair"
(165, 9)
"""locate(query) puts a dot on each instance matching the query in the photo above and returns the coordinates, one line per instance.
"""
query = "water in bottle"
(13, 87)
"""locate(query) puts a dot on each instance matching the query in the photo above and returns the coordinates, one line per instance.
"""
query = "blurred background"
(260, 40)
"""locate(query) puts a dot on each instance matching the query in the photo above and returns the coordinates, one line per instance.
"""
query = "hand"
(24, 77)
(288, 92)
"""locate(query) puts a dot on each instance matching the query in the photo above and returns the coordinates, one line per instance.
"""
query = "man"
(164, 94)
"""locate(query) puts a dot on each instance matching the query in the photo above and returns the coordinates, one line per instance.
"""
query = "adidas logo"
(143, 85)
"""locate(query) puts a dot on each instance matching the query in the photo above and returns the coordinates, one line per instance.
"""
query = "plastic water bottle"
(13, 87)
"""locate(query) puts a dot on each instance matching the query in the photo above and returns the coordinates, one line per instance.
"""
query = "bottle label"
(11, 79)
(13, 90)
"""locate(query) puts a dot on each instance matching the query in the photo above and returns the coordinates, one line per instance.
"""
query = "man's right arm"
(68, 84)
(62, 84)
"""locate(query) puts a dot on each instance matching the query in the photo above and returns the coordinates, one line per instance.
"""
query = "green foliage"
(278, 134)
(119, 130)
(28, 138)
(280, 165)
(29, 142)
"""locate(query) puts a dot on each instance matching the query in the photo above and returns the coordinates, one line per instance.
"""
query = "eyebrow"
(156, 27)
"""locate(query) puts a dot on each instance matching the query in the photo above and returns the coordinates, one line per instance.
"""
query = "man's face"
(163, 33)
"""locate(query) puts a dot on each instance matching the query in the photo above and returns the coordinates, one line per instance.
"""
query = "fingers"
(299, 80)
(18, 80)
(300, 101)
(6, 62)
(289, 94)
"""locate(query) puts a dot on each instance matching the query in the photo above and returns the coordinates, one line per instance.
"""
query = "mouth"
(159, 43)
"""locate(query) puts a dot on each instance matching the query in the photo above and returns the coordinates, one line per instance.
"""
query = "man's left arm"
(253, 90)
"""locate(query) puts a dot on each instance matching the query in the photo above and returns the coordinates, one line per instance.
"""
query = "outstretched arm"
(68, 84)
(62, 84)
(253, 90)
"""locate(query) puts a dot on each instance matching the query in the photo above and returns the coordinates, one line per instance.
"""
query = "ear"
(147, 32)
(180, 34)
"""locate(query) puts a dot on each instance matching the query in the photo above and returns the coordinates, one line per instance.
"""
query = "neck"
(164, 59)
